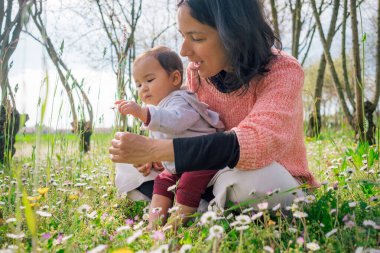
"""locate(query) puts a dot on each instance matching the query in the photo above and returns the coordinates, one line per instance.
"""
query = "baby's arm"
(132, 108)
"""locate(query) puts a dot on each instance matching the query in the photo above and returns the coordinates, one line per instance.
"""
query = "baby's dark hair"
(168, 59)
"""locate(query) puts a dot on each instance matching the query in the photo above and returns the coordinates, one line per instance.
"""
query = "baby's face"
(152, 81)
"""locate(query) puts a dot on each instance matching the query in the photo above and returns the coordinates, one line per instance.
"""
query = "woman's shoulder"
(283, 60)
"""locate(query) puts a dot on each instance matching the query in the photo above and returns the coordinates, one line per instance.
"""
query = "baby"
(170, 112)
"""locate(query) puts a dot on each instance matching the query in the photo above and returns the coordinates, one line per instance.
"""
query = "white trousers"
(229, 185)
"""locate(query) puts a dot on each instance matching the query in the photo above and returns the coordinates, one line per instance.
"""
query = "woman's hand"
(136, 149)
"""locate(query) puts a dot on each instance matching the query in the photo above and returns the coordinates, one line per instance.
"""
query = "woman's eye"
(197, 39)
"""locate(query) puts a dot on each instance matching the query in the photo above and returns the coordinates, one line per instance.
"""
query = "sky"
(30, 63)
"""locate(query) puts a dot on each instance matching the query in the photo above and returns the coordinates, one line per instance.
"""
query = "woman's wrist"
(162, 150)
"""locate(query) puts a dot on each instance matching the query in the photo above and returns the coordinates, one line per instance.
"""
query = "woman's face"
(201, 44)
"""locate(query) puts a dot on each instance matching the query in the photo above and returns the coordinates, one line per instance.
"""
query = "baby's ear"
(176, 78)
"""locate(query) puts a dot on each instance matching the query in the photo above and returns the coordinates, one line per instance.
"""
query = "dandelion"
(331, 232)
(43, 214)
(312, 246)
(263, 206)
(98, 249)
(43, 191)
(243, 219)
(256, 216)
(172, 188)
(185, 248)
(16, 236)
(268, 249)
(208, 217)
(299, 214)
(73, 197)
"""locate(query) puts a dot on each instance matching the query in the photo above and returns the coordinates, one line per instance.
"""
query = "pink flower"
(46, 235)
(158, 236)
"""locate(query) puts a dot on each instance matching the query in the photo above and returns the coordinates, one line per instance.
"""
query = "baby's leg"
(158, 210)
(162, 199)
(188, 195)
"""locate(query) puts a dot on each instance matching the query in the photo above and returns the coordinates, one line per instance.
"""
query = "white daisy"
(312, 246)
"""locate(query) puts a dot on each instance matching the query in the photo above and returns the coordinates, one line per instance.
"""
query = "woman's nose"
(185, 49)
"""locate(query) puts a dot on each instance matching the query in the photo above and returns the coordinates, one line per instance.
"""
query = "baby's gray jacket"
(180, 115)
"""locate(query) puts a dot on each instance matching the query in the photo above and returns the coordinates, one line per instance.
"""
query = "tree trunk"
(297, 26)
(359, 85)
(315, 125)
(275, 22)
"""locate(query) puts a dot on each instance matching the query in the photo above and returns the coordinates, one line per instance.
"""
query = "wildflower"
(145, 217)
(46, 236)
(34, 198)
(167, 227)
(129, 222)
(156, 210)
(84, 208)
(243, 219)
(312, 246)
(332, 211)
(138, 225)
(133, 237)
(300, 240)
(10, 220)
(276, 207)
(158, 236)
(230, 216)
(43, 214)
(256, 216)
(185, 248)
(16, 236)
(263, 206)
(172, 188)
(331, 232)
(292, 230)
(299, 199)
(370, 223)
(352, 204)
(268, 249)
(162, 249)
(98, 249)
(123, 228)
(242, 228)
(208, 217)
(73, 197)
(309, 198)
(173, 209)
(91, 215)
(216, 231)
(299, 214)
(43, 191)
(122, 250)
(247, 210)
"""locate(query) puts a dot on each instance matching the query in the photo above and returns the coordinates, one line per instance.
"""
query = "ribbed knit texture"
(268, 119)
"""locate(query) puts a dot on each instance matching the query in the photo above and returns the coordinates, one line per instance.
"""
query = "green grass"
(345, 206)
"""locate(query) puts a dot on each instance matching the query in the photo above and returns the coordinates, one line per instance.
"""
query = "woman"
(256, 89)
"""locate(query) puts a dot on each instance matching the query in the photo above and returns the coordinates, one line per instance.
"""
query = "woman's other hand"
(136, 149)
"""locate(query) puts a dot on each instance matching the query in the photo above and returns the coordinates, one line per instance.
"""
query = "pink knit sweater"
(268, 119)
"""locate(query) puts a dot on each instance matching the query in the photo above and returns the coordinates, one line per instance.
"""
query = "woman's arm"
(136, 149)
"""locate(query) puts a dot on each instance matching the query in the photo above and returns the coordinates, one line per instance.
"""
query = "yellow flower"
(122, 250)
(34, 198)
(43, 191)
(73, 197)
(271, 223)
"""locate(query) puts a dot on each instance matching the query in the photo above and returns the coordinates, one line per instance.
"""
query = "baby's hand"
(157, 166)
(144, 168)
(132, 108)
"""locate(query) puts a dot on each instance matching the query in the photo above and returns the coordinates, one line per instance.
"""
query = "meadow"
(56, 199)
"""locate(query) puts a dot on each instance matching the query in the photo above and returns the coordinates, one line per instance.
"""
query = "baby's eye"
(138, 85)
(150, 80)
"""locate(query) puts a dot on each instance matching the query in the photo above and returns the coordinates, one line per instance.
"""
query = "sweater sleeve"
(175, 118)
(266, 131)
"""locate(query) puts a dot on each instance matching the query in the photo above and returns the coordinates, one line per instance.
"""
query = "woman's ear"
(176, 78)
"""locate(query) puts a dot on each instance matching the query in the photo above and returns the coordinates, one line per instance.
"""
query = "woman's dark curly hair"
(245, 34)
